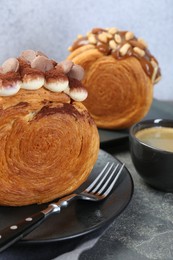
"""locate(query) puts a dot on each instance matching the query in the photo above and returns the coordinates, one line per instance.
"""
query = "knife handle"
(13, 233)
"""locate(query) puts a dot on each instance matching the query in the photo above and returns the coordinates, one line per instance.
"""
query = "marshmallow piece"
(54, 63)
(42, 63)
(76, 90)
(77, 94)
(66, 65)
(33, 84)
(40, 53)
(12, 64)
(28, 55)
(77, 72)
(11, 89)
(57, 86)
(56, 80)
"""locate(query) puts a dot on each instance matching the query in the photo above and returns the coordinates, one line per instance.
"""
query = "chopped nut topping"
(153, 78)
(129, 36)
(157, 79)
(88, 33)
(124, 49)
(102, 37)
(109, 35)
(143, 42)
(92, 38)
(136, 43)
(112, 45)
(154, 64)
(79, 36)
(156, 67)
(70, 48)
(113, 30)
(139, 51)
(120, 44)
(117, 38)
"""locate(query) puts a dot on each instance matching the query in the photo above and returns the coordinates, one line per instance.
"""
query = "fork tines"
(106, 180)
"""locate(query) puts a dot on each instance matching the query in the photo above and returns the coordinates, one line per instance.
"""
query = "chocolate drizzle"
(135, 48)
(64, 109)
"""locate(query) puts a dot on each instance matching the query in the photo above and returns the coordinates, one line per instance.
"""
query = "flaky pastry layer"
(49, 145)
(120, 92)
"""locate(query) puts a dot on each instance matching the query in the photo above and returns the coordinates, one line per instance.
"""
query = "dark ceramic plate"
(79, 218)
(159, 109)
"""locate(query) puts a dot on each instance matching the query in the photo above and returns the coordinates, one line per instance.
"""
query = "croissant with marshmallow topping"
(49, 142)
(119, 75)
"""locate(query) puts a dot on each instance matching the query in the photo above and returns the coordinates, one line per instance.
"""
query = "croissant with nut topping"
(49, 142)
(119, 75)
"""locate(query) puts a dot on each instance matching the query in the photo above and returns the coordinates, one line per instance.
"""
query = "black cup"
(155, 166)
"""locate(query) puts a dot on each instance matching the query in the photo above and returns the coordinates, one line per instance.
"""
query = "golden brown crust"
(78, 51)
(35, 99)
(49, 145)
(119, 91)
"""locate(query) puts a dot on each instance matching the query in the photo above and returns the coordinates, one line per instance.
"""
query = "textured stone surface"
(51, 26)
(143, 231)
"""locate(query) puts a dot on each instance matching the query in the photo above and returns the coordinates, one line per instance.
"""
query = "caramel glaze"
(103, 47)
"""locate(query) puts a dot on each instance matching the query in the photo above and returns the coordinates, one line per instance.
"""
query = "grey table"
(144, 230)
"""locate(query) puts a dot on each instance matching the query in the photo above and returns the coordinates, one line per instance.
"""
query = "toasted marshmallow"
(76, 90)
(42, 63)
(40, 53)
(66, 65)
(57, 85)
(33, 70)
(10, 89)
(56, 80)
(12, 64)
(77, 72)
(33, 84)
(28, 55)
(77, 94)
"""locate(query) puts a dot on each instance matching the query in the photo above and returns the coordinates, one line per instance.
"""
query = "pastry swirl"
(49, 145)
(119, 76)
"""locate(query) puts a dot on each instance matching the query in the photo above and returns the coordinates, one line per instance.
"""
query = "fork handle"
(13, 233)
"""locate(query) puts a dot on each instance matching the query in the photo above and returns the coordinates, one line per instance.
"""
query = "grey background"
(52, 25)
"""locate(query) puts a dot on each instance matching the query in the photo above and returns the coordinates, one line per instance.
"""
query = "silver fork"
(98, 190)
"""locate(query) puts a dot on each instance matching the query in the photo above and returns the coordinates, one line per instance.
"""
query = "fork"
(98, 190)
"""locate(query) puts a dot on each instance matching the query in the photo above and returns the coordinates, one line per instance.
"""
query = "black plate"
(159, 109)
(79, 218)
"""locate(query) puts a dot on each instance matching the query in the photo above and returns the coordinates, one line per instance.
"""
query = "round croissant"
(49, 143)
(119, 76)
